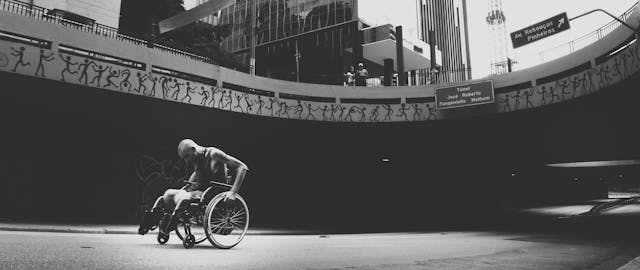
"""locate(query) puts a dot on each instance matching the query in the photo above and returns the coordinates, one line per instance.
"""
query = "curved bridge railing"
(35, 47)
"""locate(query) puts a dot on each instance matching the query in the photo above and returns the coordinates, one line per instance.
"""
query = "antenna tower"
(498, 33)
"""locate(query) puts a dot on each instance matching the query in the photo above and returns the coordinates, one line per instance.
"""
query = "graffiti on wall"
(157, 175)
(43, 63)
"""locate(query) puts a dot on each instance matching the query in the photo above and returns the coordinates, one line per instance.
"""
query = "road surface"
(439, 250)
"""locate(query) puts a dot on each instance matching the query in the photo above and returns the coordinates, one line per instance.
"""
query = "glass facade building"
(315, 41)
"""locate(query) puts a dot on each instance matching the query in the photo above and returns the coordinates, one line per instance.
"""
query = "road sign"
(538, 31)
(465, 95)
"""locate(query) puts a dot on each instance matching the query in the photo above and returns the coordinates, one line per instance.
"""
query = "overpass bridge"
(86, 107)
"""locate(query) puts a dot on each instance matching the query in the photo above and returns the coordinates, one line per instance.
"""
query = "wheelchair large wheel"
(226, 223)
(196, 227)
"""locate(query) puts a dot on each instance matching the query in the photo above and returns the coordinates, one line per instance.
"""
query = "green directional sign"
(538, 31)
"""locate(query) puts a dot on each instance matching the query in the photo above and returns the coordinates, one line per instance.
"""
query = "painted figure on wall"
(41, 59)
(19, 53)
(68, 65)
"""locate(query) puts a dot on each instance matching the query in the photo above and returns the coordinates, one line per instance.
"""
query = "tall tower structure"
(498, 33)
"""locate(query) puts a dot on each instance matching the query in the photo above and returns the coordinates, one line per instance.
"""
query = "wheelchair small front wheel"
(163, 238)
(196, 227)
(226, 223)
(189, 241)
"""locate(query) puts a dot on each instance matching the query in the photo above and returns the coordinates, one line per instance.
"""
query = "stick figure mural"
(387, 116)
(324, 111)
(237, 106)
(507, 106)
(141, 80)
(249, 103)
(631, 59)
(352, 110)
(363, 113)
(417, 113)
(603, 77)
(270, 107)
(125, 81)
(154, 82)
(576, 83)
(607, 76)
(341, 109)
(333, 110)
(222, 95)
(43, 58)
(284, 109)
(176, 93)
(528, 94)
(19, 53)
(375, 114)
(625, 65)
(215, 90)
(205, 96)
(432, 112)
(617, 63)
(517, 96)
(554, 95)
(112, 74)
(310, 110)
(298, 109)
(83, 68)
(99, 73)
(543, 96)
(67, 67)
(403, 111)
(187, 96)
(164, 84)
(589, 78)
(563, 86)
(228, 100)
(260, 105)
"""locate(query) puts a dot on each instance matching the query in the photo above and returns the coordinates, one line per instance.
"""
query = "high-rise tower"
(498, 33)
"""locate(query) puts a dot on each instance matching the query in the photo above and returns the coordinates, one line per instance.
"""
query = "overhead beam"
(193, 15)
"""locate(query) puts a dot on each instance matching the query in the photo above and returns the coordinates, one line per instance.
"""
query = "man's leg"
(151, 218)
(177, 199)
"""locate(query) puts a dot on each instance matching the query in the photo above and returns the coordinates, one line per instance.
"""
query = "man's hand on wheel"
(229, 196)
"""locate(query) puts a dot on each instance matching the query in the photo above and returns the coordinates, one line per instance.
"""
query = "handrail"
(37, 12)
(571, 46)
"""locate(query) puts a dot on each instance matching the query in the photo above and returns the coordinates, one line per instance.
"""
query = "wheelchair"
(207, 217)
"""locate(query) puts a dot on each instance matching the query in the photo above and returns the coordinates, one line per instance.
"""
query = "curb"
(133, 231)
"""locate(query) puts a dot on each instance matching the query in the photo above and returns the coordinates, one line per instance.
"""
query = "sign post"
(465, 95)
(538, 31)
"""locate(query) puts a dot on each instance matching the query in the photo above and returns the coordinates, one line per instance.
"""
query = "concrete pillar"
(400, 56)
(388, 72)
(357, 40)
(432, 52)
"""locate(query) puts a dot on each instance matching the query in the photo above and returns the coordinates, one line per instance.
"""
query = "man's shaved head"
(187, 148)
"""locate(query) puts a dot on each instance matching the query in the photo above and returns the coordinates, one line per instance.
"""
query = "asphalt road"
(477, 250)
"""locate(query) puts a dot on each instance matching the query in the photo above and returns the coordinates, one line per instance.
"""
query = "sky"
(519, 14)
(522, 13)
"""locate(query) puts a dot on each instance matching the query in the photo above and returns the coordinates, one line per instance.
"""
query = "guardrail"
(44, 14)
(571, 46)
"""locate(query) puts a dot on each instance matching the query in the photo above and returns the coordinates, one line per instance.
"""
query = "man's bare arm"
(239, 166)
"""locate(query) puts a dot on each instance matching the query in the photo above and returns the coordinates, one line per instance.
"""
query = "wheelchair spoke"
(236, 214)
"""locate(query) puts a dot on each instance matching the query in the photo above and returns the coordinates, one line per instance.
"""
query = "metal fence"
(40, 13)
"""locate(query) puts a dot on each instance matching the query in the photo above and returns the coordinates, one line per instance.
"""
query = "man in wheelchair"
(211, 164)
